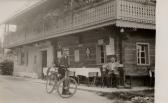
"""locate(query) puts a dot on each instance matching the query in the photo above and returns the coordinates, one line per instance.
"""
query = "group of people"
(110, 72)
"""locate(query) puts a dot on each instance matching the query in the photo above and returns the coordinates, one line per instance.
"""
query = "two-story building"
(88, 31)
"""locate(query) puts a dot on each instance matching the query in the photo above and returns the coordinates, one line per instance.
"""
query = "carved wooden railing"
(136, 12)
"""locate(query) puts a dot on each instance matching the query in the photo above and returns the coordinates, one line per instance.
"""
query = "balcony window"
(142, 53)
(10, 28)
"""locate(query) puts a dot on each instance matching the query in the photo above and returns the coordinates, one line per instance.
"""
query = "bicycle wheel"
(51, 82)
(67, 87)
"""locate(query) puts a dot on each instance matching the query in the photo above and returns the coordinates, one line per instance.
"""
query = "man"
(63, 63)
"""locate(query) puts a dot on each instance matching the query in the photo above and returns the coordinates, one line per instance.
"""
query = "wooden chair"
(82, 79)
(72, 74)
(93, 77)
(103, 75)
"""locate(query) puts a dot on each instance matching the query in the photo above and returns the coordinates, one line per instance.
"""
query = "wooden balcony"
(137, 14)
(122, 13)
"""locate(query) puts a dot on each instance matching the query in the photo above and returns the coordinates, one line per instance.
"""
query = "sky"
(11, 7)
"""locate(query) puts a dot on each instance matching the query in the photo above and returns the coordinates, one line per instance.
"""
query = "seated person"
(112, 72)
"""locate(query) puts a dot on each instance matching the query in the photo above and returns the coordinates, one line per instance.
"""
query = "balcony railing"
(124, 13)
(136, 12)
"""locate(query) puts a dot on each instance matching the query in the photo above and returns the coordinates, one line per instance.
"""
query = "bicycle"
(66, 86)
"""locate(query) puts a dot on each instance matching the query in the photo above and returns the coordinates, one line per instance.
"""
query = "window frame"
(148, 54)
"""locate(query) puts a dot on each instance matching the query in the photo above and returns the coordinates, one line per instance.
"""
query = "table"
(85, 71)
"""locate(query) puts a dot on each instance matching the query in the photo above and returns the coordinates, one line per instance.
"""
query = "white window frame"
(148, 45)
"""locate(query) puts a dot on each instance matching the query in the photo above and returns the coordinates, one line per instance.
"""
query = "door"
(44, 61)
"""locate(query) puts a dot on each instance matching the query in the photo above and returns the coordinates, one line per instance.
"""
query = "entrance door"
(44, 61)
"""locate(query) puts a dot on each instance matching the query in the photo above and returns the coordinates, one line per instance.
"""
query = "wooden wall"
(81, 42)
(89, 39)
(129, 51)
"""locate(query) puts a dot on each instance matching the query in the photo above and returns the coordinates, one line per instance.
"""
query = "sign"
(59, 54)
(76, 54)
(110, 50)
(100, 42)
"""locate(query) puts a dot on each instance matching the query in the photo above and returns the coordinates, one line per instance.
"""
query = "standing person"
(64, 63)
(112, 72)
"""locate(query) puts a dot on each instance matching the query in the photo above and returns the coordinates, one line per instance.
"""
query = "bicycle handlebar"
(63, 67)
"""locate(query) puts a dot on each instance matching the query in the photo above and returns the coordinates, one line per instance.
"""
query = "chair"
(102, 78)
(92, 79)
(72, 74)
(82, 79)
(151, 75)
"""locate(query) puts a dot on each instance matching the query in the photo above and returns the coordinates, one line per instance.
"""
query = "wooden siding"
(81, 42)
(130, 56)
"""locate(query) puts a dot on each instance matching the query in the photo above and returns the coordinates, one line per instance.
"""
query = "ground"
(18, 90)
(21, 90)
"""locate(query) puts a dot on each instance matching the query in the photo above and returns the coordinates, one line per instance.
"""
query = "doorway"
(44, 61)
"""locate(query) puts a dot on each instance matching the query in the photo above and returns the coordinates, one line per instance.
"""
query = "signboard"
(110, 50)
(59, 55)
(76, 54)
(100, 42)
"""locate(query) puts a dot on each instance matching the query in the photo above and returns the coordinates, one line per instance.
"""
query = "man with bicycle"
(63, 64)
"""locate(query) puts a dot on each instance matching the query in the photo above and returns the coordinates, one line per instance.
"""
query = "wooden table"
(85, 72)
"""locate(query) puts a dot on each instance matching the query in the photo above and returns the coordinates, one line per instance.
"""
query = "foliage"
(139, 99)
(6, 67)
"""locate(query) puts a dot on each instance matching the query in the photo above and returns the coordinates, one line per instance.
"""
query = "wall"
(130, 56)
(129, 51)
(81, 42)
(34, 67)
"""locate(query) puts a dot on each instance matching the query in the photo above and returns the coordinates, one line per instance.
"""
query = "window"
(12, 28)
(23, 58)
(101, 57)
(142, 54)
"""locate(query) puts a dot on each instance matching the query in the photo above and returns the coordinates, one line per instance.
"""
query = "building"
(87, 30)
